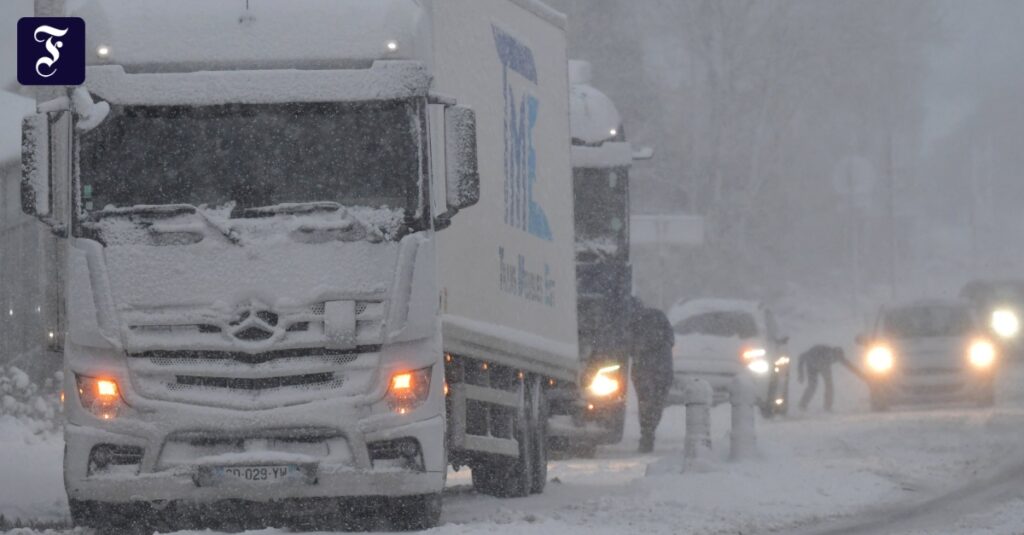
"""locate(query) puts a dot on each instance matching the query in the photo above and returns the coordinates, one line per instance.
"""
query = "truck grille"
(253, 381)
(268, 383)
(251, 325)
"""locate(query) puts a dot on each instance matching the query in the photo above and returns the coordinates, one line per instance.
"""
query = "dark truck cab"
(594, 413)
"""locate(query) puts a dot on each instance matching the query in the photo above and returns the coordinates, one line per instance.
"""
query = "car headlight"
(1005, 323)
(759, 366)
(880, 359)
(605, 382)
(782, 361)
(981, 353)
(100, 396)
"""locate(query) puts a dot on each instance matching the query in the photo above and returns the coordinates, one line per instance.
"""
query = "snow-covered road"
(816, 472)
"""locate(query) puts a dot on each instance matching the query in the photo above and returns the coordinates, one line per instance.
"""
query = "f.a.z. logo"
(51, 51)
(522, 109)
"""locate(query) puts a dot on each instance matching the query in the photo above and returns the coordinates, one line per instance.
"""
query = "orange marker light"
(401, 381)
(106, 388)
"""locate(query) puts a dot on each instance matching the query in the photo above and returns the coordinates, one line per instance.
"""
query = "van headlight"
(880, 359)
(1005, 323)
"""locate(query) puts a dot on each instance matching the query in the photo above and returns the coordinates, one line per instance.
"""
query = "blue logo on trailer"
(521, 110)
(51, 51)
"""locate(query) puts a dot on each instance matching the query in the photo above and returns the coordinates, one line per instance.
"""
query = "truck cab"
(601, 158)
(249, 285)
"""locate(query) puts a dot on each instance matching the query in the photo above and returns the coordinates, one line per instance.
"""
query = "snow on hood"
(692, 307)
(704, 347)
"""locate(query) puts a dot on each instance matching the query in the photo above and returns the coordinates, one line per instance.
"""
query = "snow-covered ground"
(813, 468)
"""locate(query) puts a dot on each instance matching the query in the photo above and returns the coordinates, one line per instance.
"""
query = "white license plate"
(259, 474)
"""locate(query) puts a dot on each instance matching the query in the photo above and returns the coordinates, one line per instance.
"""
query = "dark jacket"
(653, 339)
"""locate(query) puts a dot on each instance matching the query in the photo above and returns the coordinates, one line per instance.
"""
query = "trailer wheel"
(510, 478)
(415, 513)
(539, 405)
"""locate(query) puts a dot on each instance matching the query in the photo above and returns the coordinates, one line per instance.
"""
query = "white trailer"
(315, 251)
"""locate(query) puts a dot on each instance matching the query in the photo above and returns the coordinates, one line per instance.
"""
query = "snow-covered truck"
(601, 158)
(315, 250)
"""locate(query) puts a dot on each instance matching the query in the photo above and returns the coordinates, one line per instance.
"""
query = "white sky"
(984, 48)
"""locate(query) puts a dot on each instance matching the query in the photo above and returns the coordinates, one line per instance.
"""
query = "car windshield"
(601, 207)
(353, 154)
(928, 322)
(723, 324)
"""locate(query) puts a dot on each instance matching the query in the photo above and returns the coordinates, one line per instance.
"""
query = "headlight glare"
(982, 354)
(759, 366)
(1005, 323)
(754, 353)
(605, 382)
(880, 359)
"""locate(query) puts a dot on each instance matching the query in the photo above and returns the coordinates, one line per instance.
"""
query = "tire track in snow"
(937, 514)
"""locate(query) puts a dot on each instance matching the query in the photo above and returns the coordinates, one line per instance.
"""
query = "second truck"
(594, 414)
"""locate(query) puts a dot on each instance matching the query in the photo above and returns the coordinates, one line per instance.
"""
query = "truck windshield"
(354, 154)
(600, 203)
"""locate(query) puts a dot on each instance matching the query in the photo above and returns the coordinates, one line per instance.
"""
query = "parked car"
(716, 339)
(999, 304)
(929, 351)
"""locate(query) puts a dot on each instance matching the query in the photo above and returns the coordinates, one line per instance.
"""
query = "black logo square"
(51, 51)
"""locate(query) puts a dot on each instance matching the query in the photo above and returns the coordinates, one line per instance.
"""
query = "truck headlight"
(408, 390)
(100, 396)
(755, 353)
(759, 366)
(605, 382)
(880, 359)
(1005, 323)
(981, 353)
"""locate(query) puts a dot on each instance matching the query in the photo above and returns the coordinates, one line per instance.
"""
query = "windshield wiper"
(163, 211)
(152, 211)
(286, 208)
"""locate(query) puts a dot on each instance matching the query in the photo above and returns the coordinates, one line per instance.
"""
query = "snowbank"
(31, 479)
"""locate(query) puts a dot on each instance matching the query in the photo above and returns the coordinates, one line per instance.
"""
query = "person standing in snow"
(653, 339)
(817, 362)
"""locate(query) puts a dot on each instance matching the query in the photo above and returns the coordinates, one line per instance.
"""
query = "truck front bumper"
(347, 467)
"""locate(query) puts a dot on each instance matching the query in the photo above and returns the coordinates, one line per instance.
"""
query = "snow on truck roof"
(385, 80)
(594, 122)
(190, 35)
(687, 308)
(594, 115)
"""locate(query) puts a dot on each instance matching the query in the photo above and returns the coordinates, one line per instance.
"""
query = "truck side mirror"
(36, 176)
(463, 174)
